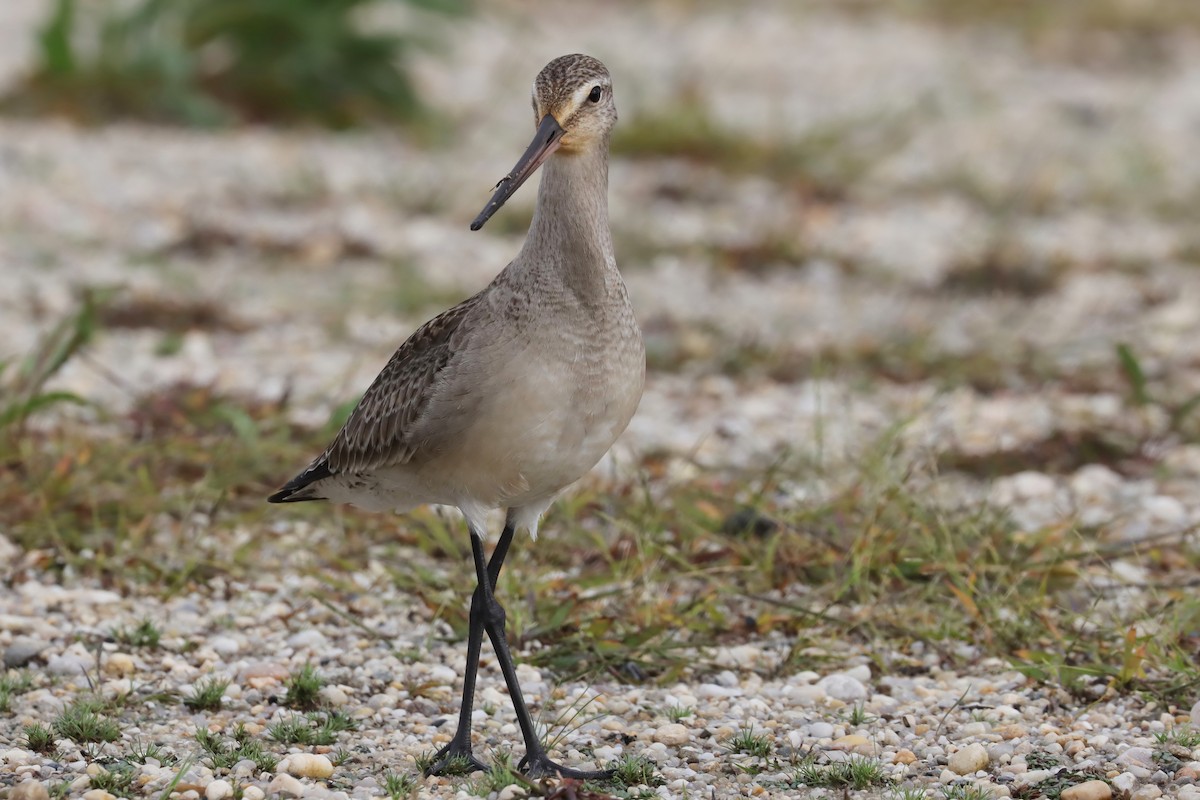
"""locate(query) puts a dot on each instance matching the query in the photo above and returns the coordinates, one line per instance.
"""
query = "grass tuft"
(140, 753)
(971, 792)
(207, 695)
(81, 722)
(909, 793)
(855, 773)
(311, 729)
(13, 683)
(115, 778)
(397, 786)
(635, 771)
(23, 385)
(304, 688)
(499, 777)
(677, 712)
(750, 743)
(1181, 735)
(223, 754)
(39, 738)
(143, 635)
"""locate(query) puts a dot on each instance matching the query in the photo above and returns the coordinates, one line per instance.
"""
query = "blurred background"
(898, 264)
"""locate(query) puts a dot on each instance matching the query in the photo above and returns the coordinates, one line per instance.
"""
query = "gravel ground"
(987, 726)
(1069, 186)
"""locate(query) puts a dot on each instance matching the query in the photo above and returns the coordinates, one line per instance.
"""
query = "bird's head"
(574, 112)
(576, 91)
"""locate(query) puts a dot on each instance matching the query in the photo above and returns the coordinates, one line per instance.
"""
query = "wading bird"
(510, 396)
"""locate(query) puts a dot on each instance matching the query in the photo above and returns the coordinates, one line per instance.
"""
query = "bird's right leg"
(457, 754)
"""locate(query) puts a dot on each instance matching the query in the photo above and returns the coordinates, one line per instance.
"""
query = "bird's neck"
(570, 230)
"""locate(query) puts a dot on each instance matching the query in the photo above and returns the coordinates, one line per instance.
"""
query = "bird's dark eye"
(595, 94)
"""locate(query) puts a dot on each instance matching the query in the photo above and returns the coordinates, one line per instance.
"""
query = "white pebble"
(18, 757)
(285, 784)
(334, 696)
(673, 734)
(252, 793)
(442, 674)
(312, 639)
(1088, 790)
(843, 686)
(68, 665)
(1142, 757)
(862, 672)
(225, 645)
(971, 758)
(1125, 782)
(309, 765)
(119, 664)
(29, 790)
(218, 790)
(821, 730)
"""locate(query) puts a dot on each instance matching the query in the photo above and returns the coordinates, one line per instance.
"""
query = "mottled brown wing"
(378, 431)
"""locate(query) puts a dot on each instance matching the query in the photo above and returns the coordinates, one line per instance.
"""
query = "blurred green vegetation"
(334, 63)
(23, 391)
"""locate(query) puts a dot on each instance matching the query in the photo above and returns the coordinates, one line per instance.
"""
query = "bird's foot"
(540, 766)
(455, 758)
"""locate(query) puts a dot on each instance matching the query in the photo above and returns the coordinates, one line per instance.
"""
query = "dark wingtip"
(292, 491)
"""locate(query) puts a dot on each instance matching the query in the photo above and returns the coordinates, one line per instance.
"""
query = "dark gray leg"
(536, 763)
(459, 747)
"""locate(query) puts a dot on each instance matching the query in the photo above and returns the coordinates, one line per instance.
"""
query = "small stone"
(1190, 770)
(1188, 792)
(974, 729)
(1142, 757)
(225, 645)
(1088, 790)
(252, 793)
(68, 665)
(23, 650)
(264, 674)
(1147, 793)
(855, 743)
(672, 735)
(334, 696)
(821, 730)
(311, 638)
(904, 756)
(218, 790)
(29, 790)
(1195, 713)
(842, 686)
(17, 757)
(285, 784)
(1125, 782)
(971, 758)
(309, 765)
(119, 664)
(98, 794)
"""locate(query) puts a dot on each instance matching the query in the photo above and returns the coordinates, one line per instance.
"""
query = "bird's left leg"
(458, 751)
(536, 762)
